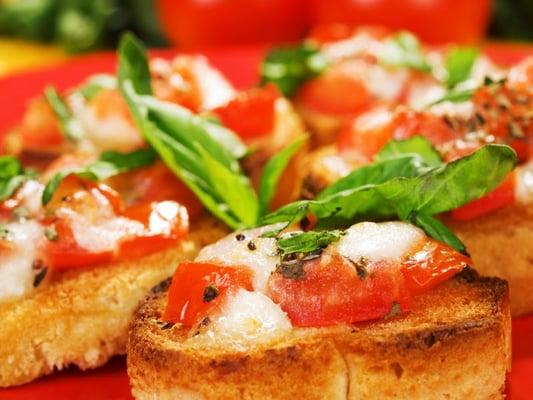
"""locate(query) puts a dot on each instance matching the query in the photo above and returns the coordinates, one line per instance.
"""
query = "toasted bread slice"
(500, 244)
(454, 344)
(82, 317)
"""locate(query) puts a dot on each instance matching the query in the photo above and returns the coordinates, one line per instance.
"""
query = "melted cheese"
(232, 251)
(16, 271)
(378, 241)
(216, 90)
(249, 316)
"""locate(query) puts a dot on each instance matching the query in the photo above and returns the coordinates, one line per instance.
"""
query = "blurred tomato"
(191, 23)
(435, 21)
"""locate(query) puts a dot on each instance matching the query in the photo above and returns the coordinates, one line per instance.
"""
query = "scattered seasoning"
(240, 237)
(210, 293)
(251, 245)
(395, 310)
(51, 234)
(4, 232)
(167, 325)
(479, 118)
(39, 276)
(202, 325)
(291, 269)
(66, 198)
(360, 267)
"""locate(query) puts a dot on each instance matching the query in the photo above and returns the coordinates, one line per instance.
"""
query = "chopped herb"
(39, 276)
(303, 243)
(12, 176)
(70, 126)
(51, 234)
(360, 267)
(395, 310)
(291, 269)
(403, 50)
(210, 293)
(459, 63)
(289, 67)
(4, 232)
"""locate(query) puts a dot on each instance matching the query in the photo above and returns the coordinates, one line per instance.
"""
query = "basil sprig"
(12, 176)
(412, 198)
(202, 153)
(302, 243)
(110, 164)
(70, 126)
(289, 67)
(403, 50)
(459, 63)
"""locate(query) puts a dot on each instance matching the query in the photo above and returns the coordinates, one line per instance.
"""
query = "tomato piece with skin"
(500, 197)
(64, 252)
(432, 264)
(165, 223)
(40, 130)
(251, 113)
(199, 287)
(339, 92)
(331, 292)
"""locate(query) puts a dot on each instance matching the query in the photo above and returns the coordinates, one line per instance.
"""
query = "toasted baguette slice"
(501, 244)
(454, 344)
(82, 318)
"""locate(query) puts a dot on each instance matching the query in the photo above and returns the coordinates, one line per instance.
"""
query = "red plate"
(239, 64)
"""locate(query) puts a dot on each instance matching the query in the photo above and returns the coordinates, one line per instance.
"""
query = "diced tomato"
(502, 196)
(40, 129)
(367, 134)
(197, 288)
(64, 252)
(165, 223)
(251, 113)
(431, 265)
(331, 292)
(156, 183)
(340, 92)
(432, 127)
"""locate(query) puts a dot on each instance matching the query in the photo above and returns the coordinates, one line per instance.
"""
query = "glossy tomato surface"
(436, 21)
(240, 65)
(192, 23)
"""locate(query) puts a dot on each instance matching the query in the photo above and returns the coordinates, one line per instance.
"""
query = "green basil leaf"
(109, 164)
(406, 165)
(455, 184)
(455, 96)
(403, 50)
(306, 242)
(234, 189)
(12, 176)
(96, 83)
(293, 212)
(289, 67)
(438, 190)
(188, 128)
(70, 126)
(415, 145)
(459, 63)
(437, 230)
(133, 64)
(272, 172)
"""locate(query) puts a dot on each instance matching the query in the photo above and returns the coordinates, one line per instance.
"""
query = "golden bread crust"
(455, 343)
(82, 317)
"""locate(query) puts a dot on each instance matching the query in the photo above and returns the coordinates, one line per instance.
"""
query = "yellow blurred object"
(18, 55)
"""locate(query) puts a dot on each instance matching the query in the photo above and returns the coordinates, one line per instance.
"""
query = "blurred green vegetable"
(80, 25)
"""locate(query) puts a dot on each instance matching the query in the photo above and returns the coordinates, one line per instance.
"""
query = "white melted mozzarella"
(379, 241)
(30, 193)
(216, 90)
(524, 183)
(259, 254)
(249, 316)
(16, 271)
